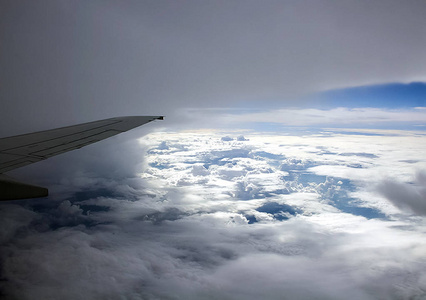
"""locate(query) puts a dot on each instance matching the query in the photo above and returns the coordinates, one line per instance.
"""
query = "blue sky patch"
(395, 95)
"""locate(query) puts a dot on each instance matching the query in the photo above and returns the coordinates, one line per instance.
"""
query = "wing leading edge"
(21, 150)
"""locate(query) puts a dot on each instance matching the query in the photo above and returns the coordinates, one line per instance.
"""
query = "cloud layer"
(235, 218)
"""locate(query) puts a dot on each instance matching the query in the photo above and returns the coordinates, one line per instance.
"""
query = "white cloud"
(209, 219)
(325, 117)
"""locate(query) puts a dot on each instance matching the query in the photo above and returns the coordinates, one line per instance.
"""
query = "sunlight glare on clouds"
(276, 166)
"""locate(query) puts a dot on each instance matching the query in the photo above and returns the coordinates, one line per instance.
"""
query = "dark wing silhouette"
(21, 150)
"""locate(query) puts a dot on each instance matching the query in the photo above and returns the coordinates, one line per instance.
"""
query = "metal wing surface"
(21, 150)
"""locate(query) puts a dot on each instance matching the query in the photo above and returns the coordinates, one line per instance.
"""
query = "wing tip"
(151, 118)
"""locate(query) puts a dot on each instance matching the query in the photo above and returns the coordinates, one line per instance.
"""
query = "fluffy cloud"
(209, 256)
(237, 219)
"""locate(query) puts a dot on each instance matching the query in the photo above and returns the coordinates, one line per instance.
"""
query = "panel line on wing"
(76, 144)
(18, 151)
(59, 137)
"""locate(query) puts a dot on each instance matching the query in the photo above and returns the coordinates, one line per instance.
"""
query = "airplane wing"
(21, 150)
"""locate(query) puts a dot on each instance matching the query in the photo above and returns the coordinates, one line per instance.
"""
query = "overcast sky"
(290, 164)
(64, 62)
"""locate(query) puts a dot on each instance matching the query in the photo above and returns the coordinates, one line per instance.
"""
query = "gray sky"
(64, 62)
